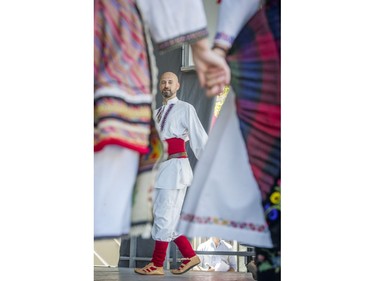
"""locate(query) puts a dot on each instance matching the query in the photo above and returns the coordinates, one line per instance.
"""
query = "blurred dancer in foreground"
(126, 144)
(240, 168)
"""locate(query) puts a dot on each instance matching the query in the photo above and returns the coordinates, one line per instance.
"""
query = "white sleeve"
(201, 257)
(233, 15)
(231, 259)
(173, 22)
(197, 135)
(233, 262)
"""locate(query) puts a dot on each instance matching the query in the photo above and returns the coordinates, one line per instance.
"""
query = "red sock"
(160, 251)
(184, 246)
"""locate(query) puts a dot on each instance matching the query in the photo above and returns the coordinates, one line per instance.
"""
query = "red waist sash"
(176, 148)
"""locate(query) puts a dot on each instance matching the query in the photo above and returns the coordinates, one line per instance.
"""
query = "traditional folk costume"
(177, 123)
(240, 168)
(126, 143)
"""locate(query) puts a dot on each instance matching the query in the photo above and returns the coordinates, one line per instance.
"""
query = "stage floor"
(127, 274)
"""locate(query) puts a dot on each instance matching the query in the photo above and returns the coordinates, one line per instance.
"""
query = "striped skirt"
(124, 75)
(255, 63)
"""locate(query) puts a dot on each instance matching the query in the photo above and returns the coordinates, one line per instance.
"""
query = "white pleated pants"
(167, 209)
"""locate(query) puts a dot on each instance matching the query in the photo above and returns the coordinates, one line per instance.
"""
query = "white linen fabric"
(167, 208)
(168, 19)
(115, 170)
(221, 203)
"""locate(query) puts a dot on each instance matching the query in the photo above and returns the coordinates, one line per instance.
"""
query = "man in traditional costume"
(177, 123)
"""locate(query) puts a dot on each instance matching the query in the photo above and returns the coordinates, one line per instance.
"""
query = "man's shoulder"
(186, 105)
(203, 246)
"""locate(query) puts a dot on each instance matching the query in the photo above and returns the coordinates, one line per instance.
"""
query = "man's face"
(168, 85)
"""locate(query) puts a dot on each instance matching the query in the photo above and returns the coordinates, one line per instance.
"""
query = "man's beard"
(167, 93)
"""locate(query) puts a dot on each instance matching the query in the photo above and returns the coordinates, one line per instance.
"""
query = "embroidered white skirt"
(224, 199)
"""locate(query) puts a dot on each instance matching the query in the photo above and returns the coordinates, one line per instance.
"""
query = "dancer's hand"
(212, 69)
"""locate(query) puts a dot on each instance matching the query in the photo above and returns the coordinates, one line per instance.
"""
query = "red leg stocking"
(160, 252)
(184, 246)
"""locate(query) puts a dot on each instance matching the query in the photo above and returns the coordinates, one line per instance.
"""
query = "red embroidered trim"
(165, 116)
(223, 222)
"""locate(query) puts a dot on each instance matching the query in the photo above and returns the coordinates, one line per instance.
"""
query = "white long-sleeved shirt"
(229, 24)
(172, 22)
(181, 122)
(213, 260)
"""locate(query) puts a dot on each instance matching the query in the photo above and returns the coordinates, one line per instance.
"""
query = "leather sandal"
(186, 265)
(150, 269)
